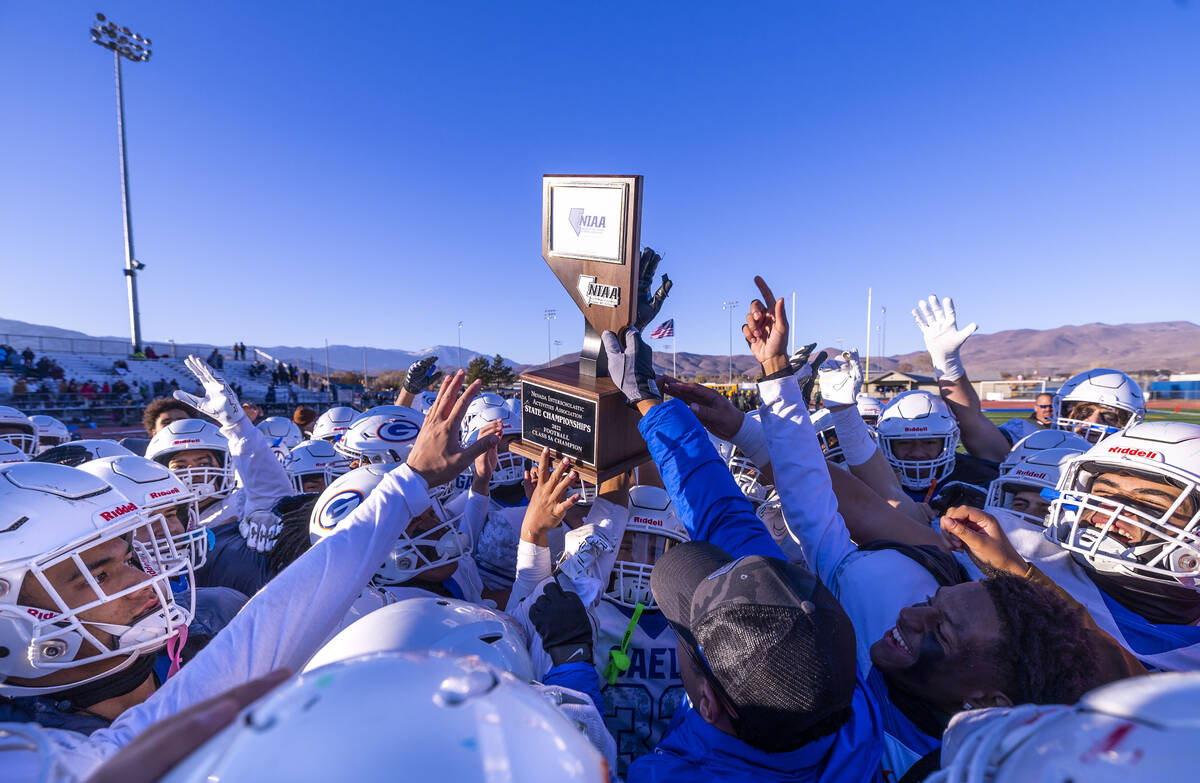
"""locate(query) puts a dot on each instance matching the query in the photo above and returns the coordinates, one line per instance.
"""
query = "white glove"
(841, 379)
(219, 400)
(260, 529)
(943, 338)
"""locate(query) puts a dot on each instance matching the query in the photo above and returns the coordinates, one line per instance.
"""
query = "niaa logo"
(397, 431)
(338, 508)
(580, 221)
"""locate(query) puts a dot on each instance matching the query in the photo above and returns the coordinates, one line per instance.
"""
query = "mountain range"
(1165, 345)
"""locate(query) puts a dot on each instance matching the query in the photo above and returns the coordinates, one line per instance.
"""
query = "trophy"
(591, 239)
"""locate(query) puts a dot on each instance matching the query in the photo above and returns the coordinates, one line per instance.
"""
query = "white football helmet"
(50, 431)
(488, 408)
(652, 529)
(918, 415)
(870, 408)
(51, 517)
(77, 452)
(25, 436)
(10, 454)
(1137, 729)
(412, 555)
(157, 490)
(749, 478)
(1097, 403)
(433, 623)
(1110, 514)
(332, 423)
(424, 401)
(827, 436)
(381, 438)
(465, 722)
(1041, 441)
(195, 435)
(1019, 489)
(315, 458)
(281, 432)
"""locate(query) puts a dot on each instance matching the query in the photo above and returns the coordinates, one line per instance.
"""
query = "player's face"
(643, 548)
(1095, 413)
(313, 482)
(12, 429)
(177, 518)
(1140, 493)
(196, 458)
(940, 649)
(1031, 502)
(168, 416)
(114, 567)
(917, 448)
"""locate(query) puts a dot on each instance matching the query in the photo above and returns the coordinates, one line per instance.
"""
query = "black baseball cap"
(775, 641)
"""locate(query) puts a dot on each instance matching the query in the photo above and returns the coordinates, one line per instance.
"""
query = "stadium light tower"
(136, 49)
(550, 316)
(730, 305)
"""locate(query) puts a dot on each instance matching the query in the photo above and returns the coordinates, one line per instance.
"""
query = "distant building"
(1180, 386)
(889, 384)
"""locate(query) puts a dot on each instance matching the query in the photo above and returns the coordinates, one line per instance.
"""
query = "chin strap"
(175, 650)
(618, 659)
(84, 697)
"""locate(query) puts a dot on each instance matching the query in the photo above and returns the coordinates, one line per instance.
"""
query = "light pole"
(134, 48)
(550, 316)
(883, 332)
(460, 364)
(730, 305)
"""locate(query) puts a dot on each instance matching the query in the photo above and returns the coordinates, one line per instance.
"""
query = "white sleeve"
(475, 510)
(533, 567)
(286, 621)
(263, 479)
(752, 441)
(853, 435)
(801, 478)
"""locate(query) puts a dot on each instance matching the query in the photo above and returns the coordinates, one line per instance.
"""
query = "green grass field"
(1191, 417)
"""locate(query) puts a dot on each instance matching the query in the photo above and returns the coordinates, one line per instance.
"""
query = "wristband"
(853, 436)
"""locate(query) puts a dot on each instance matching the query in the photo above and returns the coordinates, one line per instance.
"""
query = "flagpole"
(674, 348)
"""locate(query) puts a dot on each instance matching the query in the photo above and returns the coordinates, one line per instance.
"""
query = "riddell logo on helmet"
(185, 440)
(1029, 473)
(156, 495)
(40, 614)
(119, 511)
(649, 521)
(916, 429)
(1132, 452)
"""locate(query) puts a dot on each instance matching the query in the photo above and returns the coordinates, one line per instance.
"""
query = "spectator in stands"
(304, 379)
(27, 355)
(56, 371)
(87, 391)
(105, 389)
(162, 411)
(304, 417)
(270, 396)
(150, 354)
(19, 387)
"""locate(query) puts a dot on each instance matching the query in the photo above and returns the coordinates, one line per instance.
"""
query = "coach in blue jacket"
(766, 653)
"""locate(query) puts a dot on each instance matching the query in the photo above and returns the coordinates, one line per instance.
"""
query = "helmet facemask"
(1076, 416)
(1151, 532)
(27, 442)
(630, 581)
(919, 474)
(441, 543)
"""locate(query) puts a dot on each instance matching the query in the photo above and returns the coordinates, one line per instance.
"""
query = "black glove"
(806, 371)
(648, 305)
(958, 493)
(631, 368)
(562, 622)
(420, 375)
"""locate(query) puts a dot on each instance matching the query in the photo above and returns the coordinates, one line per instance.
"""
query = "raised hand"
(841, 380)
(438, 454)
(712, 408)
(766, 330)
(485, 464)
(562, 621)
(549, 501)
(649, 304)
(420, 375)
(943, 339)
(218, 401)
(977, 532)
(631, 367)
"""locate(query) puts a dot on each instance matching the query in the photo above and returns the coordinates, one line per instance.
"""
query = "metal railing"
(93, 345)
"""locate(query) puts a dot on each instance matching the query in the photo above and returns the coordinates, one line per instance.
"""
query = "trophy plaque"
(591, 239)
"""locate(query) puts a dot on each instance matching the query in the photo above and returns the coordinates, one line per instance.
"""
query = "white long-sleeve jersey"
(281, 626)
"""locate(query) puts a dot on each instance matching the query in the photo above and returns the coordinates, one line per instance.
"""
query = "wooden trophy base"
(581, 417)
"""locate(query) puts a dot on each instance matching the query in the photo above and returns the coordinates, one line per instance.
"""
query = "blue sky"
(370, 173)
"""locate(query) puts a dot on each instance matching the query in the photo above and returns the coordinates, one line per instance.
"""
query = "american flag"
(665, 329)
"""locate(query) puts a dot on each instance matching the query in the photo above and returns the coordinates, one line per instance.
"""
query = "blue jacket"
(579, 676)
(713, 509)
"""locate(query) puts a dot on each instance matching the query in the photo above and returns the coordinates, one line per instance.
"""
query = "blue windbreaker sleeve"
(706, 497)
(578, 676)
